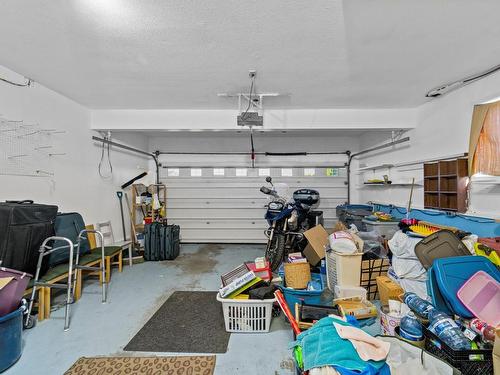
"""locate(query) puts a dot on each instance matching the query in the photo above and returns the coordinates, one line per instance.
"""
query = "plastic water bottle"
(447, 330)
(417, 304)
(410, 328)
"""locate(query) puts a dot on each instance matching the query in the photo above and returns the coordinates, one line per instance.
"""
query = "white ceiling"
(180, 54)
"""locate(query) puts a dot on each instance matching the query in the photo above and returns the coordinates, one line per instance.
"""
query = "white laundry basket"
(343, 269)
(247, 315)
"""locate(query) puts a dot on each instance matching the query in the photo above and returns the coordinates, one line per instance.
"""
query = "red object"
(287, 312)
(148, 220)
(264, 273)
(492, 242)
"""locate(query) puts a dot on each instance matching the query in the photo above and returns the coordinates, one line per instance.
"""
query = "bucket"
(388, 322)
(11, 328)
(12, 293)
(419, 344)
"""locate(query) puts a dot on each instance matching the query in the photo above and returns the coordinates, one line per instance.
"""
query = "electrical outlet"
(252, 73)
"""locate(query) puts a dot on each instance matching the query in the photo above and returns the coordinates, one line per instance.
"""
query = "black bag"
(24, 225)
(161, 241)
(68, 225)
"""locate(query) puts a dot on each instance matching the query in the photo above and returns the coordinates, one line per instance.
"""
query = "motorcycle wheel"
(275, 251)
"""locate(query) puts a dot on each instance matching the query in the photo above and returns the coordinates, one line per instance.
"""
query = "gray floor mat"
(188, 322)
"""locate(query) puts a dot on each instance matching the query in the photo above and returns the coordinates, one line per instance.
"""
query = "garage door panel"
(231, 209)
(229, 213)
(230, 202)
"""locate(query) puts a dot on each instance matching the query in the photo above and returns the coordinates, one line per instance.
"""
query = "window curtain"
(484, 145)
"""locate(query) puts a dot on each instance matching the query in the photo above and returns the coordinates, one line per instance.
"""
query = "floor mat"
(188, 322)
(143, 365)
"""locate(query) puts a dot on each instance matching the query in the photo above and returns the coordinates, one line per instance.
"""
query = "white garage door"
(225, 205)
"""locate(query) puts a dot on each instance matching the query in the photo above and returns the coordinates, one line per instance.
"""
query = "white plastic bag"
(342, 242)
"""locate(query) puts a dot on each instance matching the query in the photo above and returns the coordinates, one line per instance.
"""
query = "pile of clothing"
(335, 347)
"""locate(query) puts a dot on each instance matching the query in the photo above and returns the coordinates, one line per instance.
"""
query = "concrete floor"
(134, 296)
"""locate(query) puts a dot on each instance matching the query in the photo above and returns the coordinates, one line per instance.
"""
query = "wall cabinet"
(445, 185)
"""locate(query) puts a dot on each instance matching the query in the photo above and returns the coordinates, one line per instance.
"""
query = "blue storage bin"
(311, 297)
(11, 329)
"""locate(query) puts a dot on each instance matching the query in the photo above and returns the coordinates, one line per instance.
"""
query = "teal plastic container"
(311, 297)
(11, 329)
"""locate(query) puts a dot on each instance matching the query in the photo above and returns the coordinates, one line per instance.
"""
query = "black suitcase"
(24, 225)
(161, 242)
(68, 225)
(169, 242)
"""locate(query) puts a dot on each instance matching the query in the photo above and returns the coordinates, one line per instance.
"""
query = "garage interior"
(155, 125)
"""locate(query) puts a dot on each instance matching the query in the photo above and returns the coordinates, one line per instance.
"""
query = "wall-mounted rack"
(25, 148)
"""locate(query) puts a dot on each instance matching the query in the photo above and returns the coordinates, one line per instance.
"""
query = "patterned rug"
(198, 365)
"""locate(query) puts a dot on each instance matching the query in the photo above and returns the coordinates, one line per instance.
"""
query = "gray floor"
(134, 295)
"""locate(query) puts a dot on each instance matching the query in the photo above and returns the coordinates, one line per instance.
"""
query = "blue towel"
(370, 370)
(322, 346)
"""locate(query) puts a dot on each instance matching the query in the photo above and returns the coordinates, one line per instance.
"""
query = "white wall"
(443, 128)
(76, 185)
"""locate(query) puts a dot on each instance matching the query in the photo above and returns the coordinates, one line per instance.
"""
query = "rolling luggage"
(68, 225)
(23, 227)
(161, 242)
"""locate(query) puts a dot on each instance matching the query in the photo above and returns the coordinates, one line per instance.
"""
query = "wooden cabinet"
(445, 185)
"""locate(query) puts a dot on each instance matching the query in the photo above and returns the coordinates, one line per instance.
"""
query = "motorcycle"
(288, 219)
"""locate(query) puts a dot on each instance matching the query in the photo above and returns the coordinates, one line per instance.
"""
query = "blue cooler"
(311, 297)
(11, 329)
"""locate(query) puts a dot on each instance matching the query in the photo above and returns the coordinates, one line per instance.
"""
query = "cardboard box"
(388, 289)
(317, 239)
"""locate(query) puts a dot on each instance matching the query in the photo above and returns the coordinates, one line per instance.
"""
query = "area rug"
(188, 322)
(203, 365)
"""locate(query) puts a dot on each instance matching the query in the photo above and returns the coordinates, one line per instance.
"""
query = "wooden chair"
(113, 250)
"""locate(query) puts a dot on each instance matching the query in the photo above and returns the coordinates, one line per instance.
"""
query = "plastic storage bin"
(310, 297)
(343, 269)
(247, 315)
(11, 328)
(385, 228)
(12, 293)
(481, 295)
(354, 214)
(469, 362)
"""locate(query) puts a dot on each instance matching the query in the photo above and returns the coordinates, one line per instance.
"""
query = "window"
(195, 172)
(241, 172)
(309, 172)
(173, 172)
(264, 172)
(287, 172)
(485, 140)
(218, 171)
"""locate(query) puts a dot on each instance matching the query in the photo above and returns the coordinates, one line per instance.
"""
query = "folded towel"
(368, 347)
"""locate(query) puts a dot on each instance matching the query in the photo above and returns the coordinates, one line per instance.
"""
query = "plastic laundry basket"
(11, 328)
(247, 315)
(343, 269)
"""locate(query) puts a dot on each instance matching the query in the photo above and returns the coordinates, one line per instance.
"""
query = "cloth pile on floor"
(341, 348)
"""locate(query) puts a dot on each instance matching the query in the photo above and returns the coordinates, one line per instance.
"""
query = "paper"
(4, 281)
